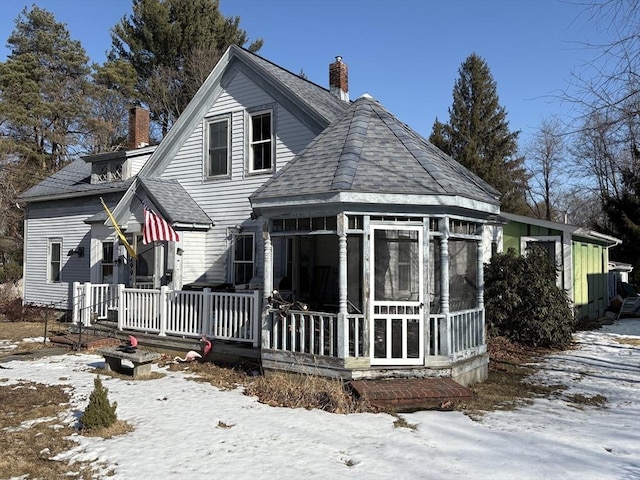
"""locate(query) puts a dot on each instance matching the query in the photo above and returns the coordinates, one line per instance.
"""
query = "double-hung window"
(107, 262)
(54, 260)
(261, 142)
(218, 147)
(243, 259)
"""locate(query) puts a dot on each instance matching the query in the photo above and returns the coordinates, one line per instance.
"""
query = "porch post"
(76, 302)
(122, 306)
(343, 323)
(479, 333)
(85, 314)
(162, 306)
(268, 285)
(444, 284)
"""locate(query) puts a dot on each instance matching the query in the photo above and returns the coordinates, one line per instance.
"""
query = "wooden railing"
(93, 301)
(457, 335)
(218, 315)
(316, 333)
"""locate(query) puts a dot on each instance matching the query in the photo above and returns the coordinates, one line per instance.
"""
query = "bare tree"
(546, 163)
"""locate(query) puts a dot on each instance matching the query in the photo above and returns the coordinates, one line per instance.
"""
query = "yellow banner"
(123, 239)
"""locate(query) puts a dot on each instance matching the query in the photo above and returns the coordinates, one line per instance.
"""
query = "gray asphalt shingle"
(370, 150)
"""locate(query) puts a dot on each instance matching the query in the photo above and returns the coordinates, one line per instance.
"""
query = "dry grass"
(17, 331)
(507, 388)
(33, 434)
(629, 341)
(282, 389)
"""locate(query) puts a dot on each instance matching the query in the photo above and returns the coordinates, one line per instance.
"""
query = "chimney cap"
(338, 58)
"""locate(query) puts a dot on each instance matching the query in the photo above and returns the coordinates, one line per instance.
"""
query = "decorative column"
(267, 285)
(444, 331)
(343, 321)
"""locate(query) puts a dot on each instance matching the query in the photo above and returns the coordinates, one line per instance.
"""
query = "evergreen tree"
(43, 88)
(478, 136)
(100, 413)
(173, 45)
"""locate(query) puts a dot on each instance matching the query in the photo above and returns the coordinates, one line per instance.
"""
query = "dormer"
(123, 164)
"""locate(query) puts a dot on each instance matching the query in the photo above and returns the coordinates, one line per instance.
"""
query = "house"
(582, 257)
(274, 183)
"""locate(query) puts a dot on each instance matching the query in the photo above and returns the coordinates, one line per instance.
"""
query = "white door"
(397, 280)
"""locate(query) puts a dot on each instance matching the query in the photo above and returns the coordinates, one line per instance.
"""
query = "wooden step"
(412, 394)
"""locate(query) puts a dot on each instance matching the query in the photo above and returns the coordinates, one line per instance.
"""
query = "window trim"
(111, 167)
(557, 239)
(251, 142)
(235, 262)
(206, 154)
(50, 242)
(105, 262)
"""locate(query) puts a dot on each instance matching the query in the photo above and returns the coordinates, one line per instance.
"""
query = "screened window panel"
(463, 275)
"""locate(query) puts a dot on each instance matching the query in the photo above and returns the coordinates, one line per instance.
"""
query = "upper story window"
(261, 142)
(104, 172)
(218, 147)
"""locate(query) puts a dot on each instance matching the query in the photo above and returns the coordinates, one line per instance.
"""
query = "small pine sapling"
(99, 413)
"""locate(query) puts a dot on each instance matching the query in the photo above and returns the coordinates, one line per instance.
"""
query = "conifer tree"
(100, 413)
(173, 45)
(478, 136)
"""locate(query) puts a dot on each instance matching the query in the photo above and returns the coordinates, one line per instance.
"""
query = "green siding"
(590, 277)
(513, 231)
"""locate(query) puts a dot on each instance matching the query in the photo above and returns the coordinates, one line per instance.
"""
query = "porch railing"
(457, 335)
(316, 333)
(221, 315)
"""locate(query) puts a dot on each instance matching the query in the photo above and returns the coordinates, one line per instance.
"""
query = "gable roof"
(369, 151)
(173, 202)
(74, 180)
(315, 106)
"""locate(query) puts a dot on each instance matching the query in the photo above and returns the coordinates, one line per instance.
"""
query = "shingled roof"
(173, 201)
(368, 150)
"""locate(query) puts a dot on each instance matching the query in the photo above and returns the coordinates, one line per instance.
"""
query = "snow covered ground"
(192, 430)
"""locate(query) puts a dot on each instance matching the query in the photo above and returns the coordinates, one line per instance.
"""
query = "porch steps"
(412, 394)
(86, 341)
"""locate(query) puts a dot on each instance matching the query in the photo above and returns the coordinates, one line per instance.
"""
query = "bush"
(99, 413)
(523, 302)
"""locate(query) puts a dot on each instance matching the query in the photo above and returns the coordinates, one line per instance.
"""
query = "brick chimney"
(138, 128)
(339, 79)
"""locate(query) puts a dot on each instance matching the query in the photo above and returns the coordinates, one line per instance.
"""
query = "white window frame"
(251, 142)
(106, 261)
(235, 262)
(111, 174)
(207, 142)
(51, 260)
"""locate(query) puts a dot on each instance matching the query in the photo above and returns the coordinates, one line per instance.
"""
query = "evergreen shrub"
(99, 412)
(523, 302)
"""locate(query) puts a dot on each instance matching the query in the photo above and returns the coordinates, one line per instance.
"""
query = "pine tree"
(42, 87)
(478, 136)
(173, 45)
(99, 412)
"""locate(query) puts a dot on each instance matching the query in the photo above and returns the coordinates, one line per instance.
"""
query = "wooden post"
(268, 286)
(75, 298)
(343, 324)
(164, 293)
(255, 315)
(444, 283)
(122, 306)
(87, 304)
(207, 316)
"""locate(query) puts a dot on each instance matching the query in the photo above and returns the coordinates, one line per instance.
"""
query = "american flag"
(156, 228)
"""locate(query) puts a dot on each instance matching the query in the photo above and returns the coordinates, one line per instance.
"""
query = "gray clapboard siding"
(63, 220)
(226, 201)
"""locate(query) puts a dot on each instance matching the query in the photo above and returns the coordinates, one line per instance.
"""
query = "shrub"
(99, 413)
(523, 302)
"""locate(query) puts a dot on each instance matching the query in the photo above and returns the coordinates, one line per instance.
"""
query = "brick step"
(412, 394)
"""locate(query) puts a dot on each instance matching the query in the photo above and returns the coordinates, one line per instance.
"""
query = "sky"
(405, 53)
(177, 433)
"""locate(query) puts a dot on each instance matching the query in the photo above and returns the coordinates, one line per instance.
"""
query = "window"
(243, 259)
(261, 144)
(54, 260)
(218, 148)
(107, 262)
(463, 274)
(107, 172)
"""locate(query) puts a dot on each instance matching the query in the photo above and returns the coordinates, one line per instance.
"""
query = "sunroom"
(373, 254)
